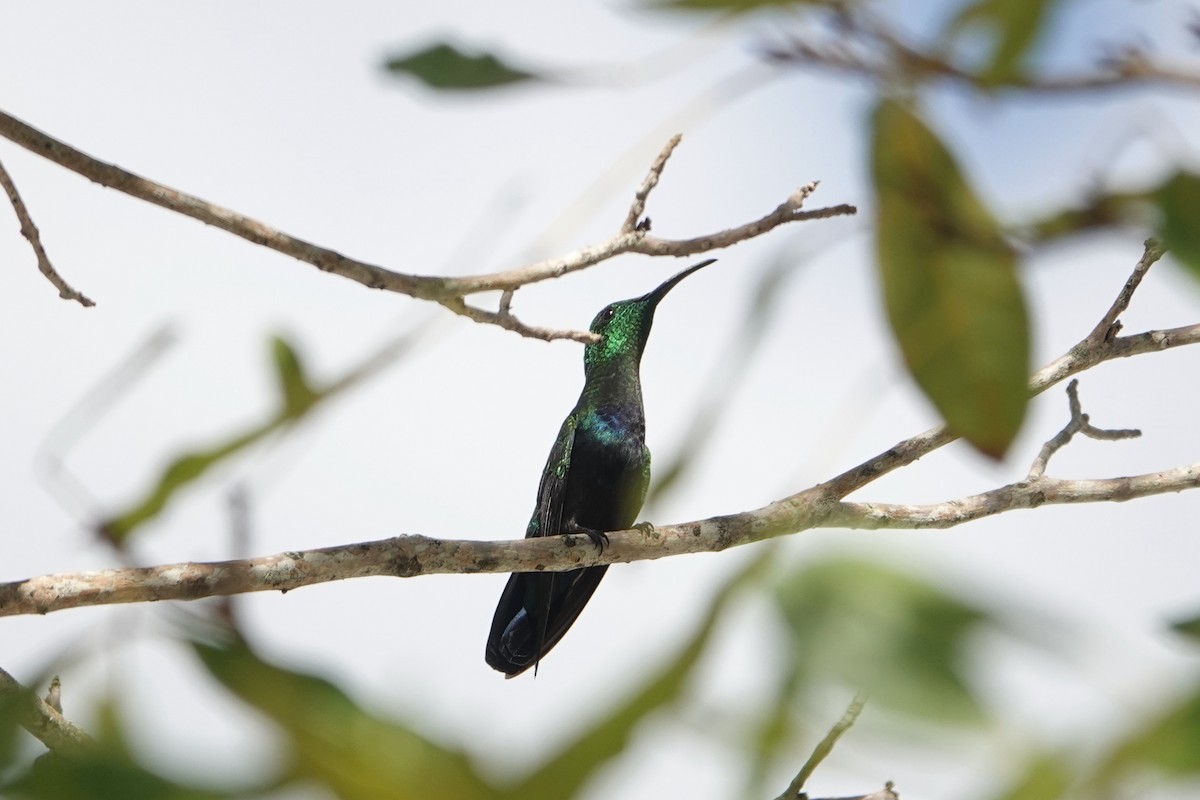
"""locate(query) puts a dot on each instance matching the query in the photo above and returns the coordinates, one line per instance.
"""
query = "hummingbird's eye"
(607, 314)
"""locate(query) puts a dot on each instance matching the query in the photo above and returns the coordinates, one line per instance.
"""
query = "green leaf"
(108, 771)
(1014, 26)
(563, 775)
(950, 284)
(102, 777)
(297, 398)
(1169, 744)
(885, 633)
(297, 395)
(179, 473)
(334, 741)
(1100, 212)
(1179, 204)
(1045, 778)
(443, 66)
(1189, 628)
(731, 6)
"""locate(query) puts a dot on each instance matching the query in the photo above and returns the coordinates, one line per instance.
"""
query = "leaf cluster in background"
(298, 396)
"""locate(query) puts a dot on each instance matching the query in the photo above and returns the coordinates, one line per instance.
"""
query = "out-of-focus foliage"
(108, 772)
(298, 397)
(949, 283)
(881, 631)
(444, 66)
(1012, 27)
(337, 743)
(1179, 201)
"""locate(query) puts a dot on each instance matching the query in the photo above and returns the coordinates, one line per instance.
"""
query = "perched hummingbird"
(594, 481)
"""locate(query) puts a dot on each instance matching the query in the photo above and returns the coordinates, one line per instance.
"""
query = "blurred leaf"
(1045, 778)
(1103, 211)
(563, 775)
(14, 702)
(338, 743)
(776, 727)
(101, 777)
(444, 66)
(1189, 628)
(1014, 26)
(1179, 203)
(884, 633)
(950, 284)
(107, 772)
(178, 474)
(297, 398)
(731, 6)
(1170, 744)
(297, 395)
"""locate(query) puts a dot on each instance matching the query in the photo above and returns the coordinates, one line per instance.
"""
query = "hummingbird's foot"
(645, 527)
(599, 538)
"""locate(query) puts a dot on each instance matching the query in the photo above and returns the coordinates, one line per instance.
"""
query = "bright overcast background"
(282, 112)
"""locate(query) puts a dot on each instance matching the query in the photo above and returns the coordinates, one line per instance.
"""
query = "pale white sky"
(280, 111)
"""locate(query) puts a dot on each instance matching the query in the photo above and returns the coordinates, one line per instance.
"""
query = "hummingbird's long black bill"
(658, 294)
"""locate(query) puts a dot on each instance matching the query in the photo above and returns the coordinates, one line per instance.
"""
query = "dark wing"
(552, 490)
(536, 608)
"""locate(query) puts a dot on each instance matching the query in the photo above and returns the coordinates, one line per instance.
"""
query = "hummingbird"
(594, 481)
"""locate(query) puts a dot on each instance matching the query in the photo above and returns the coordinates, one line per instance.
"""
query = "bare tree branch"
(1079, 423)
(822, 505)
(30, 232)
(42, 720)
(410, 556)
(450, 292)
(1025, 494)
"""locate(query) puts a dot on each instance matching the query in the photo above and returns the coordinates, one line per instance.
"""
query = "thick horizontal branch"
(402, 556)
(410, 556)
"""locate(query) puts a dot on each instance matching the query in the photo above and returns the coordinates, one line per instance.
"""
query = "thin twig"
(1079, 423)
(1108, 327)
(1025, 494)
(30, 232)
(633, 218)
(507, 320)
(824, 748)
(640, 242)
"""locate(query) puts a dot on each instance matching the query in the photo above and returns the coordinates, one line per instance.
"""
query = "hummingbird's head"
(624, 326)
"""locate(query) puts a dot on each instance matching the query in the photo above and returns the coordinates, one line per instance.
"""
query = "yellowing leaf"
(950, 284)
